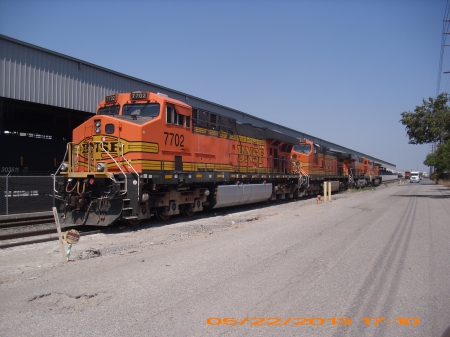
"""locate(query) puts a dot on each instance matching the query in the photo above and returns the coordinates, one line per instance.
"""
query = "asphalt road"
(367, 264)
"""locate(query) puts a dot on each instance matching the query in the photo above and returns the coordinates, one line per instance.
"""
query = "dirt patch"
(89, 254)
(58, 302)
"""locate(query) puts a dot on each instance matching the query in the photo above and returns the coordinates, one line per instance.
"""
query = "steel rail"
(53, 238)
(21, 222)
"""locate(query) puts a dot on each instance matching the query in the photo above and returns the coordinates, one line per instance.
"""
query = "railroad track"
(21, 222)
(17, 229)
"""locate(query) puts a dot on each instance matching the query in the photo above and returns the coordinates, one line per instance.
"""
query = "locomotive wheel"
(188, 210)
(162, 214)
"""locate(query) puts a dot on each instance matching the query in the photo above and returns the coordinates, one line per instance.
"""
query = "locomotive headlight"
(100, 167)
(64, 167)
(97, 125)
(145, 197)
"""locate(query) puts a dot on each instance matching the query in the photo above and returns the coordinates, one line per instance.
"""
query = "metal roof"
(34, 74)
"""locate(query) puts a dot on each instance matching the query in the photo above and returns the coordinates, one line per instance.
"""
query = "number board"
(138, 95)
(110, 98)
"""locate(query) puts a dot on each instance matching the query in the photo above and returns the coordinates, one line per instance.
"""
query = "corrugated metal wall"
(34, 75)
(37, 75)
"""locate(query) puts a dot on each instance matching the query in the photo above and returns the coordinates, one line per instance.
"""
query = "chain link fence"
(25, 194)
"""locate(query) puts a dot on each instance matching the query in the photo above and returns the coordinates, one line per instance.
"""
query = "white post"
(58, 228)
(325, 185)
(329, 191)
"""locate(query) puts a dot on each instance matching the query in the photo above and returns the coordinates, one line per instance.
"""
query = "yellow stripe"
(199, 130)
(226, 135)
(168, 166)
(141, 147)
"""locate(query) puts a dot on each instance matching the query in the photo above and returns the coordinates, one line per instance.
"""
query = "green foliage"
(440, 159)
(429, 122)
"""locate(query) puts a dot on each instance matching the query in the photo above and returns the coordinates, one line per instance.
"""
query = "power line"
(445, 32)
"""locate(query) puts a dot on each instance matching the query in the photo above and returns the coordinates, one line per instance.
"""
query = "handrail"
(77, 159)
(352, 179)
(59, 168)
(117, 164)
(131, 166)
(91, 161)
(304, 174)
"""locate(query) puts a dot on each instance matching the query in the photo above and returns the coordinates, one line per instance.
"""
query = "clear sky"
(341, 70)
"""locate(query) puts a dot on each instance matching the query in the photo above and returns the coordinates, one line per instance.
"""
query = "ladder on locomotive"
(304, 177)
(127, 208)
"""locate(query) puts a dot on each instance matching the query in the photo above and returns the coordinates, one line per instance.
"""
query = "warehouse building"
(44, 95)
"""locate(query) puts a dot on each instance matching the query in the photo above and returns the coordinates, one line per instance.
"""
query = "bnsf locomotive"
(145, 154)
(319, 164)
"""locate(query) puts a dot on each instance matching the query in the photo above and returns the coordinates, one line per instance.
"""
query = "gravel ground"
(379, 252)
(18, 263)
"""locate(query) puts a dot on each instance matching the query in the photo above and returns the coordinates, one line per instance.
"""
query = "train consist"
(341, 169)
(145, 154)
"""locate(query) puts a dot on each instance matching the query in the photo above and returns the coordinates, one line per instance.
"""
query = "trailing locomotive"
(145, 154)
(318, 164)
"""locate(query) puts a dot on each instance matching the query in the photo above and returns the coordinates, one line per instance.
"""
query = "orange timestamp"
(311, 321)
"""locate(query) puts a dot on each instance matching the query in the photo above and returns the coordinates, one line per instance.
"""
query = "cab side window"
(169, 114)
(172, 117)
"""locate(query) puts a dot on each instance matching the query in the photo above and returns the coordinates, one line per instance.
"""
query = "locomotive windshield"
(143, 110)
(303, 148)
(109, 110)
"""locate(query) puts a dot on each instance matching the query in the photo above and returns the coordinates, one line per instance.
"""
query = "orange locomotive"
(316, 164)
(365, 172)
(145, 154)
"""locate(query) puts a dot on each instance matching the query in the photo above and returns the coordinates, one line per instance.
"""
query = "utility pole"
(444, 37)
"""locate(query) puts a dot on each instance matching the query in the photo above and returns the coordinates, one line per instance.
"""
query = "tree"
(430, 123)
(440, 159)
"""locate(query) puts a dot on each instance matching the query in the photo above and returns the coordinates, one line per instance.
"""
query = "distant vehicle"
(407, 175)
(425, 175)
(414, 178)
(420, 175)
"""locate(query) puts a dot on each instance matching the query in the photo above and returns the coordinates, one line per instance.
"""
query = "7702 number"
(174, 139)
